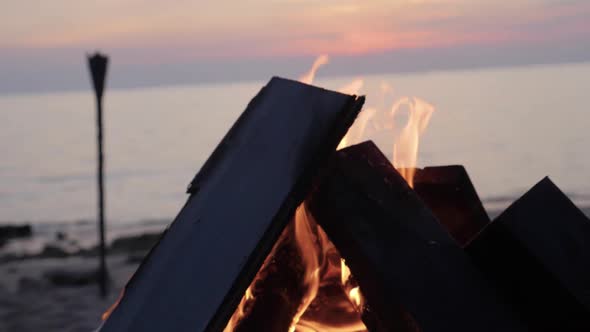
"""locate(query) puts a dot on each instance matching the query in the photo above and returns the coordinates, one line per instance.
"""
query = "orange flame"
(324, 271)
(248, 298)
(405, 149)
(240, 311)
(304, 237)
(310, 75)
(113, 306)
(354, 292)
(355, 296)
(356, 131)
(353, 87)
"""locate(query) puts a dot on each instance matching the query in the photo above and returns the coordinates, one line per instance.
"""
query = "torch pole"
(98, 65)
(103, 265)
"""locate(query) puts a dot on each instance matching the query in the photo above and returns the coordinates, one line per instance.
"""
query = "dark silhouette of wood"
(408, 267)
(98, 69)
(450, 195)
(538, 252)
(240, 202)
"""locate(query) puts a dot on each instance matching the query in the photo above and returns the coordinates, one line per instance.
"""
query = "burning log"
(406, 264)
(450, 195)
(276, 292)
(538, 252)
(240, 202)
(301, 285)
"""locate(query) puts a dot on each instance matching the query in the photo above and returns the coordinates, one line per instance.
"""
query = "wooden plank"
(398, 252)
(240, 201)
(450, 195)
(538, 252)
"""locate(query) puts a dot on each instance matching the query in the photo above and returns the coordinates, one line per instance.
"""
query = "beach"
(41, 293)
(32, 298)
(29, 302)
(500, 124)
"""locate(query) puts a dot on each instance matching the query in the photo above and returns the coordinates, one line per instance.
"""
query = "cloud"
(170, 33)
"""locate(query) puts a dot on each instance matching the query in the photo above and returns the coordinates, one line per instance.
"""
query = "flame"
(325, 270)
(405, 149)
(322, 272)
(248, 298)
(319, 268)
(310, 75)
(345, 271)
(355, 296)
(304, 237)
(113, 306)
(353, 291)
(356, 131)
(353, 87)
(240, 311)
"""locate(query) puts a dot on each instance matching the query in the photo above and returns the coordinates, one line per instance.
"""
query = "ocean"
(509, 127)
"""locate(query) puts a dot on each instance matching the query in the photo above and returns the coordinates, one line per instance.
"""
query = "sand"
(30, 302)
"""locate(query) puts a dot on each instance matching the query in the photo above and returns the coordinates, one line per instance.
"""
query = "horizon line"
(241, 80)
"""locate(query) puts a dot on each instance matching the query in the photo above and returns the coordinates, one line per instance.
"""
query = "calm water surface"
(509, 127)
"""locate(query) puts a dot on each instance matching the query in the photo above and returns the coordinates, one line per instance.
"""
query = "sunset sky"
(180, 41)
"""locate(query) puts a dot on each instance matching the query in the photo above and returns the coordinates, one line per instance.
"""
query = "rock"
(135, 257)
(14, 231)
(143, 242)
(88, 252)
(11, 257)
(71, 277)
(52, 251)
(60, 236)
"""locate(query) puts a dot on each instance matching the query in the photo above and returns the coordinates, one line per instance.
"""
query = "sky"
(158, 42)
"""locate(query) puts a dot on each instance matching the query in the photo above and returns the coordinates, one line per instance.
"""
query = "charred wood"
(450, 195)
(538, 253)
(403, 259)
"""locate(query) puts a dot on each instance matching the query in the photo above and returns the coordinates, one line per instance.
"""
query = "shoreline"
(62, 239)
(124, 245)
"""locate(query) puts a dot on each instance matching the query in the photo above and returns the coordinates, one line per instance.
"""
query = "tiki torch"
(98, 69)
